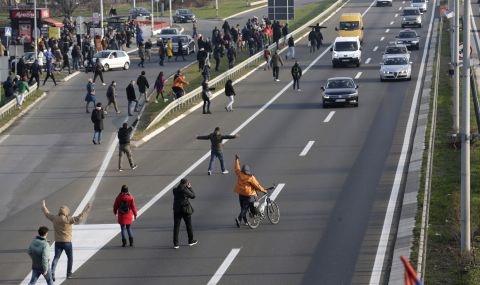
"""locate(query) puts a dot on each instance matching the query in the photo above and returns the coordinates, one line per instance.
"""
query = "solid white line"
(396, 15)
(387, 30)
(387, 223)
(2, 139)
(358, 75)
(368, 60)
(329, 117)
(382, 38)
(375, 48)
(307, 148)
(224, 266)
(391, 23)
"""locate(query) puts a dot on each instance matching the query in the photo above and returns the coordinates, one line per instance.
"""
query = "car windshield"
(168, 32)
(411, 12)
(349, 26)
(175, 39)
(395, 61)
(340, 83)
(184, 11)
(346, 46)
(407, 35)
(395, 50)
(102, 54)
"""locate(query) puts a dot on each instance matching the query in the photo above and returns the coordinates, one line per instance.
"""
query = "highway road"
(333, 202)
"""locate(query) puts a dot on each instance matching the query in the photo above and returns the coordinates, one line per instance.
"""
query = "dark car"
(409, 38)
(187, 42)
(183, 16)
(340, 90)
(139, 12)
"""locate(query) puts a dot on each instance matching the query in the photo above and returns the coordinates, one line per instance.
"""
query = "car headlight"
(403, 72)
(353, 95)
(404, 19)
(326, 96)
(384, 71)
(335, 54)
(419, 19)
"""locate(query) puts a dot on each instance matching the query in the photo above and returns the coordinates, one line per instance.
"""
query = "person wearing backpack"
(296, 74)
(126, 211)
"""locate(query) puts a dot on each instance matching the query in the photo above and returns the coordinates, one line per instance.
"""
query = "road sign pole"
(101, 18)
(287, 10)
(153, 17)
(456, 68)
(216, 7)
(35, 28)
(170, 8)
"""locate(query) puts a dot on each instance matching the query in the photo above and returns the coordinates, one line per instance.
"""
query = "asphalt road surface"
(333, 202)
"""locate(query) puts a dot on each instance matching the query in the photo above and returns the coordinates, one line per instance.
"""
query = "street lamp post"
(216, 7)
(35, 28)
(153, 16)
(101, 18)
(170, 8)
(134, 4)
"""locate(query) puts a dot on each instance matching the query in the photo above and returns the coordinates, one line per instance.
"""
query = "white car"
(112, 59)
(345, 51)
(395, 68)
(420, 4)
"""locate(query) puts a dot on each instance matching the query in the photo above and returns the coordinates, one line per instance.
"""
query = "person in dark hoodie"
(182, 209)
(142, 83)
(125, 209)
(98, 114)
(296, 74)
(8, 88)
(216, 140)
(131, 97)
(246, 187)
(124, 134)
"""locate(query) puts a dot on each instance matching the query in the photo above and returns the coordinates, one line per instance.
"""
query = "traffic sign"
(8, 31)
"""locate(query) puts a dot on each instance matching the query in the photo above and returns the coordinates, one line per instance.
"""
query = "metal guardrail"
(219, 81)
(11, 105)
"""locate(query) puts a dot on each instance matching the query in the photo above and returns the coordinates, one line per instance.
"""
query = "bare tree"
(68, 7)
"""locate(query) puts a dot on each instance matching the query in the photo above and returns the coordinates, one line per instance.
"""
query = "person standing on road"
(267, 55)
(246, 187)
(180, 50)
(216, 55)
(276, 61)
(296, 74)
(291, 48)
(162, 52)
(159, 85)
(148, 50)
(124, 134)
(142, 83)
(230, 93)
(125, 209)
(312, 40)
(22, 89)
(231, 55)
(206, 71)
(319, 36)
(97, 119)
(98, 71)
(141, 54)
(183, 210)
(112, 96)
(62, 224)
(90, 97)
(39, 251)
(49, 71)
(35, 71)
(76, 55)
(131, 97)
(169, 49)
(216, 140)
(202, 56)
(206, 94)
(194, 29)
(285, 33)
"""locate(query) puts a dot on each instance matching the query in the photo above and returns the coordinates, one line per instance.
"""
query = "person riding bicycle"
(246, 187)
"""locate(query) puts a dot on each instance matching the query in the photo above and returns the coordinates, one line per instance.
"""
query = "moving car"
(112, 59)
(384, 3)
(345, 51)
(169, 31)
(411, 17)
(394, 50)
(183, 16)
(187, 42)
(395, 68)
(340, 90)
(134, 13)
(350, 25)
(420, 4)
(409, 38)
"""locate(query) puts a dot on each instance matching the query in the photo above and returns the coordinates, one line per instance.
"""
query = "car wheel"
(358, 63)
(356, 104)
(418, 46)
(126, 66)
(106, 67)
(381, 79)
(403, 26)
(334, 64)
(324, 105)
(410, 78)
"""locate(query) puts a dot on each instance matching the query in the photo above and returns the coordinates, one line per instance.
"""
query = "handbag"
(187, 209)
(209, 95)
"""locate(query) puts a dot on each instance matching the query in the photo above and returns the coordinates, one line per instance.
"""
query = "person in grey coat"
(39, 251)
(276, 61)
(97, 119)
(216, 140)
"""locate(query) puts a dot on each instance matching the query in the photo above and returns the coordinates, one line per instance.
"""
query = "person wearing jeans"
(62, 224)
(276, 61)
(39, 251)
(216, 140)
(97, 119)
(132, 98)
(125, 209)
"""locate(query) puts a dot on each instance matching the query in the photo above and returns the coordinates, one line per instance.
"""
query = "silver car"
(395, 50)
(411, 17)
(420, 4)
(396, 68)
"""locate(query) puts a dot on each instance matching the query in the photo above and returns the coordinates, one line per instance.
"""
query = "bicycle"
(263, 207)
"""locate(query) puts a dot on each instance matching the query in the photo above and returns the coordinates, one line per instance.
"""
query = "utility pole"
(153, 17)
(35, 28)
(456, 67)
(465, 136)
(134, 4)
(101, 19)
(170, 8)
(216, 7)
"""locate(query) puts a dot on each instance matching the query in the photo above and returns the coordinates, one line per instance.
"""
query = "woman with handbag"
(183, 210)
(206, 94)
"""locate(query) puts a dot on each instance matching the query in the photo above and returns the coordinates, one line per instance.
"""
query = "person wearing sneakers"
(296, 74)
(230, 93)
(98, 114)
(124, 134)
(112, 96)
(125, 209)
(276, 61)
(142, 83)
(246, 187)
(39, 251)
(216, 140)
(182, 209)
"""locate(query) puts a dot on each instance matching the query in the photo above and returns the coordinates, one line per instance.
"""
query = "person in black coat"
(201, 57)
(98, 71)
(206, 91)
(21, 68)
(97, 119)
(229, 92)
(143, 85)
(35, 71)
(131, 97)
(180, 50)
(182, 209)
(8, 88)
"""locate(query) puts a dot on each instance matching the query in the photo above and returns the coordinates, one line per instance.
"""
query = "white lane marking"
(403, 2)
(387, 30)
(358, 75)
(382, 38)
(396, 15)
(391, 23)
(387, 223)
(329, 117)
(368, 60)
(307, 148)
(2, 139)
(277, 191)
(224, 266)
(399, 8)
(375, 48)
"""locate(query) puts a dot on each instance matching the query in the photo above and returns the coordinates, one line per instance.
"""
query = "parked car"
(187, 42)
(183, 16)
(340, 90)
(409, 38)
(395, 68)
(169, 31)
(394, 50)
(112, 59)
(139, 12)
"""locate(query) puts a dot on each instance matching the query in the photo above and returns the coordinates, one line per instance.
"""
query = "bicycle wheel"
(253, 220)
(273, 212)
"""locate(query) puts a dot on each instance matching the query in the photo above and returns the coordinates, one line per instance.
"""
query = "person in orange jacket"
(246, 187)
(177, 86)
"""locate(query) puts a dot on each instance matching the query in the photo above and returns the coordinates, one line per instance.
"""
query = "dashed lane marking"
(358, 75)
(396, 15)
(368, 60)
(375, 48)
(382, 38)
(391, 23)
(307, 148)
(387, 30)
(329, 117)
(224, 266)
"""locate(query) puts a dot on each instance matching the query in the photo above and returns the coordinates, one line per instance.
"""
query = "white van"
(346, 51)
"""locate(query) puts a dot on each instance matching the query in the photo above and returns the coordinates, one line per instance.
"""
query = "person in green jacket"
(39, 252)
(22, 89)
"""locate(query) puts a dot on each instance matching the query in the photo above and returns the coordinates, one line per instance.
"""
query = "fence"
(219, 81)
(11, 105)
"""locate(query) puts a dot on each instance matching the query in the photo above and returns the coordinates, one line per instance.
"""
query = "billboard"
(281, 9)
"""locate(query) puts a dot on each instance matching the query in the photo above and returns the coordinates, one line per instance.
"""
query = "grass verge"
(30, 100)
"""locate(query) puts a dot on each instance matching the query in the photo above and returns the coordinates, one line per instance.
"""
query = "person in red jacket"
(126, 210)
